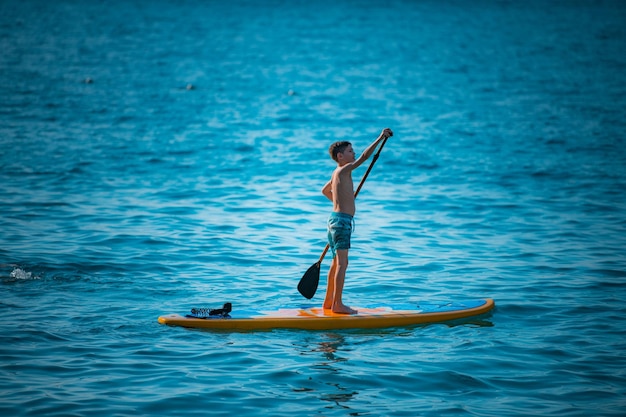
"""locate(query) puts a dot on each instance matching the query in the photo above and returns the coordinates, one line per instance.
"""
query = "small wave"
(19, 273)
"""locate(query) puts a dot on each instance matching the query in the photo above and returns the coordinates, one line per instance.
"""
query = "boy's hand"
(387, 133)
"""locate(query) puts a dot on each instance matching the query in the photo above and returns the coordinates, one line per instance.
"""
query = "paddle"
(311, 278)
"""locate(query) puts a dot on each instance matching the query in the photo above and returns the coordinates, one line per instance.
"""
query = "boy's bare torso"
(343, 191)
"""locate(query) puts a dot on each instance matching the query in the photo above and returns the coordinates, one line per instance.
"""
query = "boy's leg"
(340, 277)
(330, 285)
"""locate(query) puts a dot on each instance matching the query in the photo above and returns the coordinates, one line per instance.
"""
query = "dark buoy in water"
(88, 80)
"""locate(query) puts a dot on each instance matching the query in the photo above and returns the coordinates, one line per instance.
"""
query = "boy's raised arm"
(386, 133)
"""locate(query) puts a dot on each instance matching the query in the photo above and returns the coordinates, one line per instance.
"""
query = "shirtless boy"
(340, 190)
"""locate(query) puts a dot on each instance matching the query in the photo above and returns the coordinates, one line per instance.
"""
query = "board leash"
(205, 312)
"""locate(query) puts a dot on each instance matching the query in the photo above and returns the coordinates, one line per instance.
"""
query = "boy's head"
(338, 147)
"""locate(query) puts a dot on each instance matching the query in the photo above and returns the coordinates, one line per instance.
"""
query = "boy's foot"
(343, 309)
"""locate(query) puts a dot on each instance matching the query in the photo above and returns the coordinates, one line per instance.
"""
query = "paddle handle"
(370, 167)
(359, 188)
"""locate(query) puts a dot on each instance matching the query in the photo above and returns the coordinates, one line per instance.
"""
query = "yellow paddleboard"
(319, 319)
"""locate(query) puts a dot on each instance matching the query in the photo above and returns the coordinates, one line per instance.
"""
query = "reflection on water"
(340, 397)
(351, 367)
(329, 347)
(329, 373)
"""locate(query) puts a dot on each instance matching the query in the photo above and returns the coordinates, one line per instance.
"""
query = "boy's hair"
(337, 147)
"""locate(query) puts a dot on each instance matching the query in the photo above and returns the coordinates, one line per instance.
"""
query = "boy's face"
(347, 155)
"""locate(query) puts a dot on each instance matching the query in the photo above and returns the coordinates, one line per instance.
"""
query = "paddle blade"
(309, 282)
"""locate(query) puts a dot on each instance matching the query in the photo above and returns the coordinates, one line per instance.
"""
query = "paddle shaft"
(357, 190)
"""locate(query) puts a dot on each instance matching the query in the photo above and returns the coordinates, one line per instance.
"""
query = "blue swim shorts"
(339, 231)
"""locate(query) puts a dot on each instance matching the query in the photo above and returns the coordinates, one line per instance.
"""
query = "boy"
(340, 190)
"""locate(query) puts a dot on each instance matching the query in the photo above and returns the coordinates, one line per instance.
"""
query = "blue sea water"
(161, 155)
